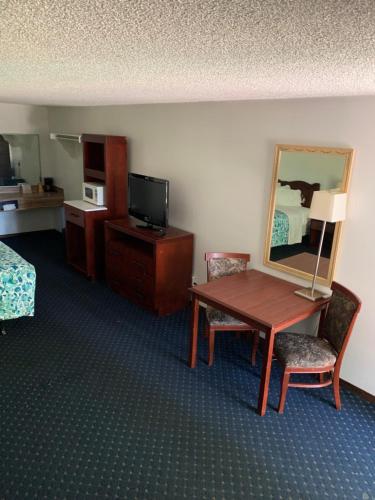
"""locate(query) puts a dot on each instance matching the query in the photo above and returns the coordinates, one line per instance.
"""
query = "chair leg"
(336, 389)
(211, 346)
(284, 389)
(255, 347)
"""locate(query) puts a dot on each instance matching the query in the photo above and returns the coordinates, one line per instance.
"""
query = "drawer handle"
(74, 215)
(139, 264)
(139, 295)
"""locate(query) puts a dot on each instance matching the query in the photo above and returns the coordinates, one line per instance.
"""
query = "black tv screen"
(148, 199)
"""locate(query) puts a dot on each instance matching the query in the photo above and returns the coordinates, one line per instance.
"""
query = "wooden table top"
(260, 298)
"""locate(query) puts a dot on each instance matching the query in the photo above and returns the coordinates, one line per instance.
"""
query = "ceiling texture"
(96, 52)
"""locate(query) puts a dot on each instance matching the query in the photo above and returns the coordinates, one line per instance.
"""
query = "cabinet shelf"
(91, 174)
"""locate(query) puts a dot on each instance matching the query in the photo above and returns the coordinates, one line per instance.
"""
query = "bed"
(17, 285)
(291, 217)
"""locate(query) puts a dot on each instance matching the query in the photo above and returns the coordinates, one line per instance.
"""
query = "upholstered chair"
(220, 265)
(323, 354)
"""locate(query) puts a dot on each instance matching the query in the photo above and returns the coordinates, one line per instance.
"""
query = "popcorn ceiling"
(96, 52)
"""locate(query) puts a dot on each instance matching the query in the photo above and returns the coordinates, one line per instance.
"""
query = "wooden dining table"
(262, 301)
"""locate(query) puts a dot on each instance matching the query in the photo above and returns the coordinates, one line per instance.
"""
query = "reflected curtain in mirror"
(292, 236)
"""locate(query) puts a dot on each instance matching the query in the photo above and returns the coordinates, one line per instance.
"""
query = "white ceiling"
(93, 52)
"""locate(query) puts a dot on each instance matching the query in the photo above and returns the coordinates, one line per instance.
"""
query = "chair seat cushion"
(220, 318)
(296, 350)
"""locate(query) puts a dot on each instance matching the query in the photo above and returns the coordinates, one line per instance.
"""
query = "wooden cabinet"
(105, 161)
(148, 268)
(84, 235)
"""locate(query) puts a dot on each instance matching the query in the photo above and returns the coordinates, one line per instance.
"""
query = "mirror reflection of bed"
(292, 237)
(295, 238)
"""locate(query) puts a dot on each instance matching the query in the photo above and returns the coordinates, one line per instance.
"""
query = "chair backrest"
(342, 312)
(221, 264)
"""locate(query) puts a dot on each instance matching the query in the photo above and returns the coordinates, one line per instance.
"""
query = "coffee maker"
(48, 184)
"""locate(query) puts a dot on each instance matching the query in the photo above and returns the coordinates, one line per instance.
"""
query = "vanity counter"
(35, 199)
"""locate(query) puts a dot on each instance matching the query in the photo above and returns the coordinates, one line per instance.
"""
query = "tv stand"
(150, 227)
(149, 268)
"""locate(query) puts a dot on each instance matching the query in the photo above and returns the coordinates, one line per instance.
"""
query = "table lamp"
(328, 207)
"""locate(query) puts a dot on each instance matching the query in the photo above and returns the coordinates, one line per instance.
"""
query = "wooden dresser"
(148, 268)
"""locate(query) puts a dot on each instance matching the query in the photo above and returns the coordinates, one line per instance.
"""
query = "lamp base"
(308, 294)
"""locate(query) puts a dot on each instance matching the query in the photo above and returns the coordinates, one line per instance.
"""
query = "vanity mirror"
(292, 237)
(19, 159)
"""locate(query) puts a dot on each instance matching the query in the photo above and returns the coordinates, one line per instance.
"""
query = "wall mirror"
(19, 159)
(292, 237)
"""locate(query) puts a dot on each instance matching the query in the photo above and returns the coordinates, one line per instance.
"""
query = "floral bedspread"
(280, 229)
(17, 285)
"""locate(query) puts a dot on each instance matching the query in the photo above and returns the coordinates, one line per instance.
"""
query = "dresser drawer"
(129, 262)
(75, 216)
(140, 265)
(136, 290)
(117, 251)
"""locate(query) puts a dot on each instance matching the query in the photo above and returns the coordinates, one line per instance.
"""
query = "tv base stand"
(150, 227)
(148, 268)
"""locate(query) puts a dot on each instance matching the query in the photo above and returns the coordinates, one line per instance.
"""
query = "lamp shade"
(328, 206)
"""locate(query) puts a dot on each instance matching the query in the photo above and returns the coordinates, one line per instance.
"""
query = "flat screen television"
(149, 200)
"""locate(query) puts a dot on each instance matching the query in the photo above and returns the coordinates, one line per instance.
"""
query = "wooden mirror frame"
(347, 154)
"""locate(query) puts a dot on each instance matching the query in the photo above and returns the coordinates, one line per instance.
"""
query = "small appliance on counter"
(48, 185)
(93, 192)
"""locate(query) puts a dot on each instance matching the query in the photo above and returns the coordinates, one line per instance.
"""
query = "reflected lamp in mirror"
(327, 207)
(293, 237)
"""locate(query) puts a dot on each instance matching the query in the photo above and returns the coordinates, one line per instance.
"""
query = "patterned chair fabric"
(216, 317)
(339, 315)
(17, 285)
(217, 268)
(296, 350)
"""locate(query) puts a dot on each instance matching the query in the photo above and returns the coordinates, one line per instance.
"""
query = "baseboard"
(356, 390)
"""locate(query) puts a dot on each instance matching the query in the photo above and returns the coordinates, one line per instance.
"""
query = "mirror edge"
(279, 148)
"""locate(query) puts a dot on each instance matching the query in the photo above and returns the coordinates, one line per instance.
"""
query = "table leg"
(194, 332)
(266, 372)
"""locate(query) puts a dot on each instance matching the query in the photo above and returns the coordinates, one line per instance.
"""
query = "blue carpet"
(97, 401)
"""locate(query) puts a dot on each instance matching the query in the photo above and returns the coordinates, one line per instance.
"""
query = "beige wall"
(25, 119)
(218, 158)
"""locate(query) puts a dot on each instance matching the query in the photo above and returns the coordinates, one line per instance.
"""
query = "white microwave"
(93, 192)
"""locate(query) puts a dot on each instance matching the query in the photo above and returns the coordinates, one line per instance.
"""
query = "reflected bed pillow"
(288, 197)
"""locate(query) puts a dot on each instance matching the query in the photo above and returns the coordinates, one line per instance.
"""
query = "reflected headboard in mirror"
(292, 237)
(19, 159)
